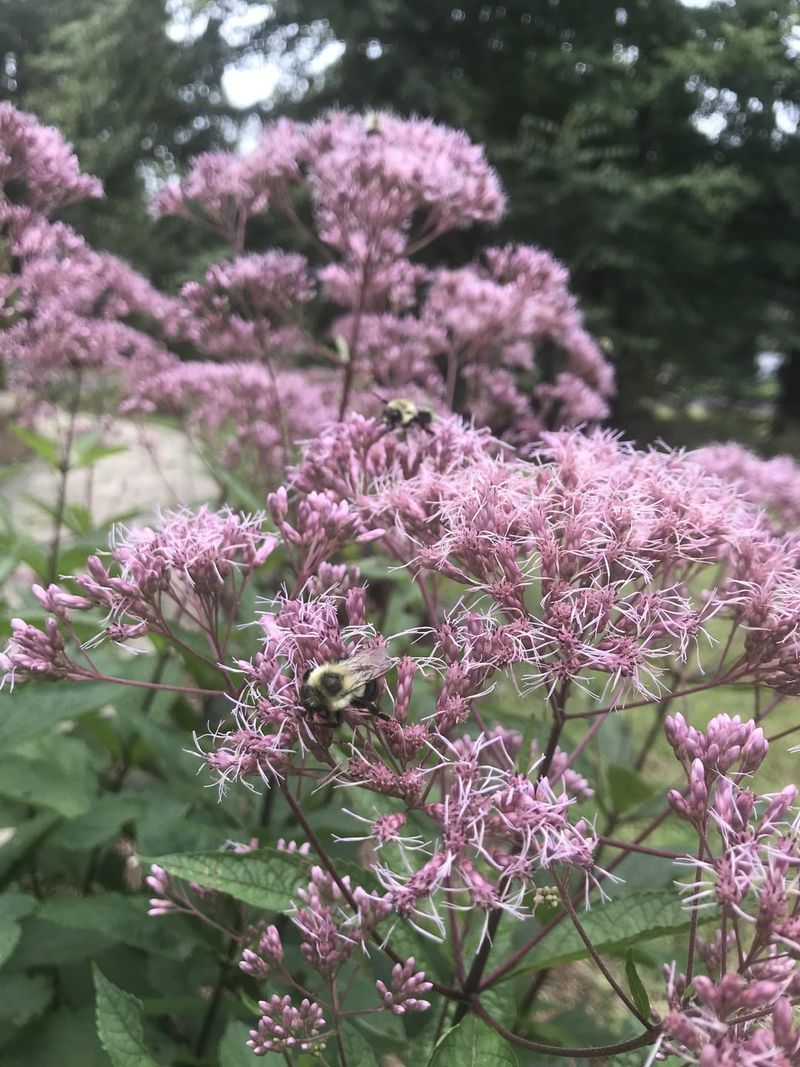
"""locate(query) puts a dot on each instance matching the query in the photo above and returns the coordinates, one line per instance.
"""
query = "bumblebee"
(401, 414)
(333, 687)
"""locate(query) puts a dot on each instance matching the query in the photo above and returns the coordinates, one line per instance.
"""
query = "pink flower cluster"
(284, 1027)
(380, 189)
(599, 557)
(246, 415)
(498, 831)
(333, 919)
(355, 316)
(271, 728)
(38, 169)
(369, 181)
(244, 309)
(401, 996)
(773, 484)
(69, 312)
(748, 867)
(184, 567)
(731, 1021)
(65, 308)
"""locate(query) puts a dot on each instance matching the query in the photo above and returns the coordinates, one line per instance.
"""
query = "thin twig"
(623, 996)
(728, 680)
(628, 846)
(187, 689)
(649, 1037)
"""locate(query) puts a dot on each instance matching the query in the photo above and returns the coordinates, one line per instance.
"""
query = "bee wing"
(368, 664)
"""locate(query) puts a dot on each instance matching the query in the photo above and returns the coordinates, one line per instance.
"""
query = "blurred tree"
(135, 100)
(649, 144)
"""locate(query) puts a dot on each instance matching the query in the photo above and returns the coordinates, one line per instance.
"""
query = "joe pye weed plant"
(441, 743)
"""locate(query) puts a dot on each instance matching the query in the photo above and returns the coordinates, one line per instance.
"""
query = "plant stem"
(552, 744)
(216, 998)
(187, 689)
(65, 462)
(629, 846)
(478, 965)
(623, 996)
(695, 918)
(349, 370)
(649, 1037)
(337, 1024)
(728, 680)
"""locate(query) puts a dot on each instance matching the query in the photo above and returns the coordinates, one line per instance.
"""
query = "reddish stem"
(649, 1037)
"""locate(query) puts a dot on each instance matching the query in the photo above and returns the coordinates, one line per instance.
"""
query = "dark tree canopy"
(134, 101)
(646, 144)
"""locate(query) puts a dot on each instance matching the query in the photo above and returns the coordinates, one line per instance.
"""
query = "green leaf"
(472, 1044)
(65, 1038)
(636, 986)
(10, 934)
(13, 906)
(103, 821)
(119, 1024)
(23, 997)
(628, 789)
(25, 837)
(356, 1049)
(265, 879)
(77, 519)
(119, 918)
(44, 784)
(46, 944)
(88, 449)
(35, 707)
(42, 446)
(615, 926)
(233, 1050)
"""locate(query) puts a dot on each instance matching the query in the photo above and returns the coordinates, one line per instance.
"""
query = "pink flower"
(773, 484)
(265, 956)
(283, 1027)
(39, 160)
(731, 1021)
(244, 308)
(406, 984)
(73, 310)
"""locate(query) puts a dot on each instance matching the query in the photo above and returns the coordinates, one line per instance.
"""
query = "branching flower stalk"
(446, 616)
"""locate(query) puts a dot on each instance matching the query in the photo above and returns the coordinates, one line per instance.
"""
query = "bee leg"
(366, 704)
